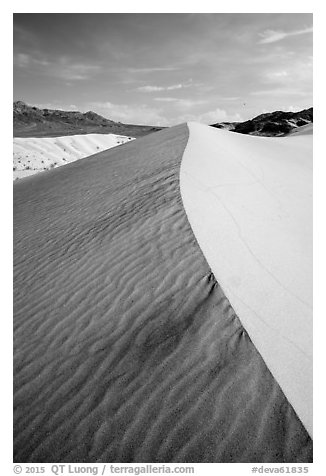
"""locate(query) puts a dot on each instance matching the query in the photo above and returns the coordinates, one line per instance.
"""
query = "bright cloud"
(276, 75)
(271, 36)
(150, 89)
(294, 108)
(211, 117)
(184, 103)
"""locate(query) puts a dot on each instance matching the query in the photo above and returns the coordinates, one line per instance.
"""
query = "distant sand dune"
(126, 348)
(303, 130)
(34, 155)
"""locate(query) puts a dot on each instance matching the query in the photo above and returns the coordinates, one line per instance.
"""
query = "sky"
(164, 68)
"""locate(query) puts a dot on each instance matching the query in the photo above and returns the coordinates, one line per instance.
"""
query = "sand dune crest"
(126, 348)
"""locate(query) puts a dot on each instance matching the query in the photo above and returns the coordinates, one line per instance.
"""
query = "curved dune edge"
(248, 200)
(125, 347)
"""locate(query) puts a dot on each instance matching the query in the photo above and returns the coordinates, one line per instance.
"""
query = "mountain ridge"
(276, 123)
(31, 121)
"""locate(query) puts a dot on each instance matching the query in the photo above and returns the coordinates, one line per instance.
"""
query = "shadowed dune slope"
(126, 349)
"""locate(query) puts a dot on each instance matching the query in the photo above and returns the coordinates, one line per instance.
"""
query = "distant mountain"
(30, 121)
(275, 123)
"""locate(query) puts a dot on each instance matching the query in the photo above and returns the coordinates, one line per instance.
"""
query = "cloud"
(130, 114)
(271, 36)
(61, 107)
(68, 70)
(185, 103)
(75, 72)
(210, 117)
(61, 68)
(24, 36)
(165, 99)
(176, 86)
(294, 108)
(279, 92)
(23, 60)
(143, 114)
(231, 98)
(219, 115)
(289, 79)
(189, 103)
(150, 89)
(276, 75)
(149, 70)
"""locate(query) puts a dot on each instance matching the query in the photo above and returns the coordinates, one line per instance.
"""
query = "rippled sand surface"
(126, 349)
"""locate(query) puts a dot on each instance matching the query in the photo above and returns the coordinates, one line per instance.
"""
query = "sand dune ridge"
(126, 348)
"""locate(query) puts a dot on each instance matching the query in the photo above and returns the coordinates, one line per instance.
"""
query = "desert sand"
(32, 155)
(307, 129)
(249, 201)
(126, 347)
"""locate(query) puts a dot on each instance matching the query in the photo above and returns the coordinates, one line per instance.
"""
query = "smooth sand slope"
(249, 201)
(126, 348)
(32, 155)
(303, 130)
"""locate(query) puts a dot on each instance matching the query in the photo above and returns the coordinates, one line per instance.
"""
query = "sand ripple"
(126, 348)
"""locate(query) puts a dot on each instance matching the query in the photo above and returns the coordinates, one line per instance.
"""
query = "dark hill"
(275, 123)
(30, 121)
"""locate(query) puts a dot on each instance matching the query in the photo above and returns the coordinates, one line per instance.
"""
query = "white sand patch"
(249, 202)
(33, 155)
(306, 129)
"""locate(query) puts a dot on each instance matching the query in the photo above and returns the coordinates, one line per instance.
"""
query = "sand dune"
(126, 348)
(33, 155)
(249, 201)
(302, 130)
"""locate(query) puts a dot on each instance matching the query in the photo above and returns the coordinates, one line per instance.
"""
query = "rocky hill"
(30, 121)
(275, 123)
